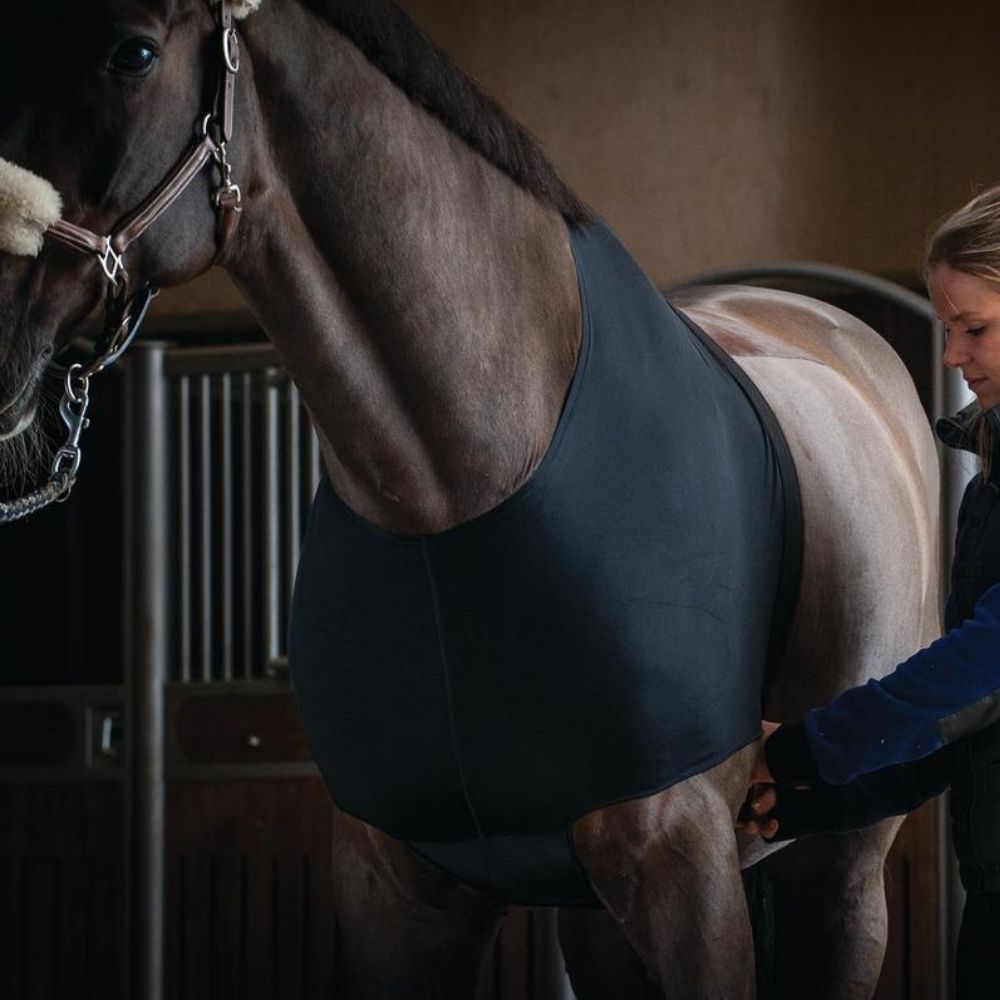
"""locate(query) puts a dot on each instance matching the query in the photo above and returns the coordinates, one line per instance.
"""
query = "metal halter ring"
(231, 50)
(76, 384)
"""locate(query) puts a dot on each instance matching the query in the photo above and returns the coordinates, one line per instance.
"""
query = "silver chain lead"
(73, 410)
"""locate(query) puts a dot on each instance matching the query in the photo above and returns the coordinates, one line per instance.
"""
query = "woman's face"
(969, 307)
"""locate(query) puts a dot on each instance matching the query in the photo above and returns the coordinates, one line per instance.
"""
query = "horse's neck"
(425, 306)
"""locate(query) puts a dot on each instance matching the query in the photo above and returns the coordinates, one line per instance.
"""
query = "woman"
(883, 748)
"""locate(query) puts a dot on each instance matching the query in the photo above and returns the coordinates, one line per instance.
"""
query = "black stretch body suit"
(598, 636)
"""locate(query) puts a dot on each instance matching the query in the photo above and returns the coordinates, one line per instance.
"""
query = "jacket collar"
(959, 432)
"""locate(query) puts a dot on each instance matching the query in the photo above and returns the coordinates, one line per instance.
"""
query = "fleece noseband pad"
(28, 206)
(243, 7)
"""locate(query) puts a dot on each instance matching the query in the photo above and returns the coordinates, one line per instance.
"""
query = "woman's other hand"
(762, 795)
(755, 816)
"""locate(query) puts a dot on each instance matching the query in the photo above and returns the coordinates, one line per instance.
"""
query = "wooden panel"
(61, 891)
(249, 905)
(250, 909)
(239, 729)
(36, 735)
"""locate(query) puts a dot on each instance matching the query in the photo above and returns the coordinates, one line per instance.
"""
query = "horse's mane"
(392, 42)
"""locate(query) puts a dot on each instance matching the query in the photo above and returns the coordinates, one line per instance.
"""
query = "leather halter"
(124, 314)
(214, 132)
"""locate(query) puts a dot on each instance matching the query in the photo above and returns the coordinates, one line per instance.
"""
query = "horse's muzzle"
(17, 414)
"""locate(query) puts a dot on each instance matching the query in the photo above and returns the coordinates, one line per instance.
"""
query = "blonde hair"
(968, 240)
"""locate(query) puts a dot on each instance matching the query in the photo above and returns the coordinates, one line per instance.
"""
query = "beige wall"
(718, 132)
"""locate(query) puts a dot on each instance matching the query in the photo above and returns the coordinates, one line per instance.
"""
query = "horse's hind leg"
(406, 929)
(667, 869)
(830, 921)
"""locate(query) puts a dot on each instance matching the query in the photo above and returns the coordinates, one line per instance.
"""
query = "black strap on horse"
(125, 312)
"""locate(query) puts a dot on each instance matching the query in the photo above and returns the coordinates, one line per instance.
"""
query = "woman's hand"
(762, 795)
(755, 816)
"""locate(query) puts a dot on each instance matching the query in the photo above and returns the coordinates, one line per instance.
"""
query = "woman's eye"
(974, 331)
(135, 58)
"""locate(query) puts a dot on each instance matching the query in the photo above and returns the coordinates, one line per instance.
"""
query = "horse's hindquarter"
(867, 471)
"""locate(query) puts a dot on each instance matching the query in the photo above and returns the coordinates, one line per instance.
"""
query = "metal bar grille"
(293, 485)
(226, 527)
(247, 464)
(184, 524)
(246, 528)
(271, 544)
(314, 464)
(205, 523)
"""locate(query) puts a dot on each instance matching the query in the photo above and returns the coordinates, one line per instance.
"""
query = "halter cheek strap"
(124, 314)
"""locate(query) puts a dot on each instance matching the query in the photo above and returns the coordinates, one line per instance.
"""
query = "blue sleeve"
(945, 691)
(824, 808)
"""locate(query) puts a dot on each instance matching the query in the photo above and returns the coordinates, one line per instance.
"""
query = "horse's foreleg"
(667, 869)
(830, 921)
(405, 928)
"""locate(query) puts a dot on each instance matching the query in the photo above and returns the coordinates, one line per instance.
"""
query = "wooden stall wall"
(62, 825)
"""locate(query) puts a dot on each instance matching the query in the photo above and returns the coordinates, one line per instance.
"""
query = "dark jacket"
(883, 748)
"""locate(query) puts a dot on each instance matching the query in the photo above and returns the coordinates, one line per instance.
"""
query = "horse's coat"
(599, 636)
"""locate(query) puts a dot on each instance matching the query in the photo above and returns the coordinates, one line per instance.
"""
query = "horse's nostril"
(47, 353)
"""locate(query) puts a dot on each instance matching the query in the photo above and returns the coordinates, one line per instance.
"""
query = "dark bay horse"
(408, 250)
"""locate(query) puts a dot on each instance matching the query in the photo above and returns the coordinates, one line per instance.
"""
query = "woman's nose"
(956, 353)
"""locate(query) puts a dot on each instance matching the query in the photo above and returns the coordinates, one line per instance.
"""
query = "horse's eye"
(134, 58)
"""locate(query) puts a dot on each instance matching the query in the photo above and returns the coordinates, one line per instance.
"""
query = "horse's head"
(98, 101)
